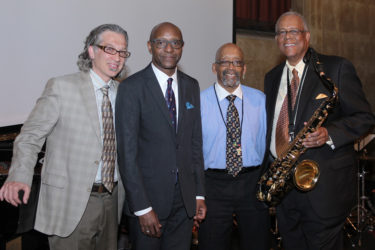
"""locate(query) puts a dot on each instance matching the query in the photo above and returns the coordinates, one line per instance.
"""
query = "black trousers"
(301, 228)
(227, 196)
(176, 229)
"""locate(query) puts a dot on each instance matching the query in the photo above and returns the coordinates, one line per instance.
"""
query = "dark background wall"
(339, 27)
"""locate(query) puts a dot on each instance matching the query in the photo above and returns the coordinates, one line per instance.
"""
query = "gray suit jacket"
(66, 116)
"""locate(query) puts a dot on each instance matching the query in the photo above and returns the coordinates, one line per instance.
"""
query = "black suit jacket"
(150, 151)
(334, 193)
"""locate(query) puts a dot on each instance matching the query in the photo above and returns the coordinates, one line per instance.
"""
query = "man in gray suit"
(159, 138)
(81, 194)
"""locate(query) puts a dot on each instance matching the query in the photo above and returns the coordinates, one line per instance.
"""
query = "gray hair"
(292, 13)
(84, 61)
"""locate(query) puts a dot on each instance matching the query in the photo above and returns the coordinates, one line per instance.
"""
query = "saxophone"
(286, 172)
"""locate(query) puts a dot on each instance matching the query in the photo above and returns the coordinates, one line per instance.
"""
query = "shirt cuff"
(143, 211)
(330, 143)
(200, 198)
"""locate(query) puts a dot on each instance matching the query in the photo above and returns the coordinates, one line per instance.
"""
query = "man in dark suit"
(314, 219)
(158, 128)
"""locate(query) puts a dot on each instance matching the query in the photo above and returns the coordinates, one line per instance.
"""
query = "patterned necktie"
(282, 127)
(171, 102)
(109, 144)
(233, 149)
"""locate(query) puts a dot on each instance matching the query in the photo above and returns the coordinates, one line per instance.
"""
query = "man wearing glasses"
(159, 138)
(81, 194)
(294, 90)
(234, 136)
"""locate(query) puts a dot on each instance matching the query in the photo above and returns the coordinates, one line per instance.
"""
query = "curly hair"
(84, 61)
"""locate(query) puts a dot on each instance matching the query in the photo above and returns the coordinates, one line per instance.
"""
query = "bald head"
(165, 46)
(229, 66)
(161, 27)
(228, 47)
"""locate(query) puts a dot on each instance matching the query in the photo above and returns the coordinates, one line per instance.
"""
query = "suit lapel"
(181, 100)
(158, 96)
(307, 90)
(271, 94)
(89, 101)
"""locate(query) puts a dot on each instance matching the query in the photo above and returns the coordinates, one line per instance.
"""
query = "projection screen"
(42, 39)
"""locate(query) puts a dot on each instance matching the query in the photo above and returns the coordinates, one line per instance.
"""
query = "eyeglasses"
(162, 43)
(112, 51)
(228, 63)
(294, 32)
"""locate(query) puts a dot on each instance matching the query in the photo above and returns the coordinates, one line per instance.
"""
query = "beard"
(230, 81)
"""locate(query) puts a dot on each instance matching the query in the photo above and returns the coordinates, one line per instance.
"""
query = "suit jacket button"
(173, 171)
(89, 190)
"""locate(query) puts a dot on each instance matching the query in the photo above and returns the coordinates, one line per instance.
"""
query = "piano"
(19, 221)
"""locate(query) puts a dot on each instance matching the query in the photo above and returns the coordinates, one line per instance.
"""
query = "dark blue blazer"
(150, 151)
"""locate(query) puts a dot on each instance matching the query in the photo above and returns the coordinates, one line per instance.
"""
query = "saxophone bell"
(306, 175)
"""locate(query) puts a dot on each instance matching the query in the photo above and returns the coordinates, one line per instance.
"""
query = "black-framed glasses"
(293, 32)
(112, 51)
(228, 63)
(162, 43)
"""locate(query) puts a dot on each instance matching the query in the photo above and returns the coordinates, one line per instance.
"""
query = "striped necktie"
(109, 143)
(282, 126)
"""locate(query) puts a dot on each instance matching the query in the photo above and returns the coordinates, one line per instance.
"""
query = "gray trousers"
(97, 228)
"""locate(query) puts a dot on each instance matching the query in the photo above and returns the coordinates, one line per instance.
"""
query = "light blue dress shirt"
(253, 138)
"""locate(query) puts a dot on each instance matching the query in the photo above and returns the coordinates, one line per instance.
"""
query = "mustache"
(231, 71)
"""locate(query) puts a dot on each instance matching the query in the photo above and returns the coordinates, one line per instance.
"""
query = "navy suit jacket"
(150, 151)
(335, 191)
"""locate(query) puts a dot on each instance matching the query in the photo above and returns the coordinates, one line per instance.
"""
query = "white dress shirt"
(283, 90)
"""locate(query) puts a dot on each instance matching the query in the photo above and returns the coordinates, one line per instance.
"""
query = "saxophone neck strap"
(292, 113)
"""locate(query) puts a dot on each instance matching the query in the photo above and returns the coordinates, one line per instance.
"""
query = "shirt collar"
(161, 76)
(98, 82)
(223, 93)
(299, 67)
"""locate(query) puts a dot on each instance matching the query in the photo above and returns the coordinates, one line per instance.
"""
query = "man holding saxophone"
(294, 90)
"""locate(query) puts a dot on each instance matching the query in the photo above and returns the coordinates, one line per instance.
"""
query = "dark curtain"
(259, 14)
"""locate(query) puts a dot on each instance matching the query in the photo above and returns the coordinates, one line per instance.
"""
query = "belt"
(100, 188)
(244, 170)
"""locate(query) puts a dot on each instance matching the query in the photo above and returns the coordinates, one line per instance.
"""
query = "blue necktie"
(171, 102)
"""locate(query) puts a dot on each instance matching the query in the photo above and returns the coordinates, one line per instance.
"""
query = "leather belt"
(99, 188)
(244, 170)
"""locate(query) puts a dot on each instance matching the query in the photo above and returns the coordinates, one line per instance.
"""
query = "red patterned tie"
(233, 147)
(109, 145)
(282, 133)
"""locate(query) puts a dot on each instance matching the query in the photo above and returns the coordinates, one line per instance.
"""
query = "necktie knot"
(169, 81)
(105, 90)
(295, 73)
(231, 98)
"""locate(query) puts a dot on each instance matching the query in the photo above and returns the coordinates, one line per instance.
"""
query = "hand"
(200, 212)
(316, 139)
(9, 192)
(150, 224)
